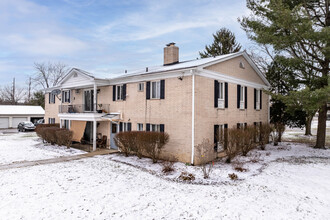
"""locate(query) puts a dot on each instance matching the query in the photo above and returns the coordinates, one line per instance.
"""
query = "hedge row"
(53, 134)
(142, 143)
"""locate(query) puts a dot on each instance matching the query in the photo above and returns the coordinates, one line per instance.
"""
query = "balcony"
(81, 108)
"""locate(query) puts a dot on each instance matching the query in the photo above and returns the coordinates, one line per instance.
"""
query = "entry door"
(88, 100)
(114, 130)
(88, 134)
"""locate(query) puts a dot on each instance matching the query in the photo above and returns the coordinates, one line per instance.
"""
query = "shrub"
(202, 150)
(168, 165)
(233, 176)
(49, 134)
(238, 166)
(187, 176)
(277, 132)
(153, 143)
(265, 130)
(40, 129)
(126, 141)
(232, 144)
(248, 139)
(63, 137)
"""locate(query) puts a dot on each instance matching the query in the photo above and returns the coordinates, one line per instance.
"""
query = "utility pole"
(13, 93)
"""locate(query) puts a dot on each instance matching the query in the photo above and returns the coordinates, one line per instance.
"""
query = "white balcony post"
(95, 95)
(94, 135)
(60, 123)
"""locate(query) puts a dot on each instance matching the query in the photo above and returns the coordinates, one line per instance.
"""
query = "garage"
(17, 120)
(4, 122)
(12, 115)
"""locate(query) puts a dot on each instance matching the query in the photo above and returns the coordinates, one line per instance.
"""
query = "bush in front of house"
(40, 129)
(248, 139)
(142, 143)
(64, 137)
(203, 150)
(265, 131)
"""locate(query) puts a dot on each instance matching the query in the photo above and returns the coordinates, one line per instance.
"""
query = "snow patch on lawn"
(21, 147)
(254, 163)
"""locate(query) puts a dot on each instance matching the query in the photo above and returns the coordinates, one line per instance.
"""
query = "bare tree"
(49, 74)
(12, 94)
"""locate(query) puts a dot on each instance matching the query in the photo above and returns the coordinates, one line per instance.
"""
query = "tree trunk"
(321, 127)
(308, 129)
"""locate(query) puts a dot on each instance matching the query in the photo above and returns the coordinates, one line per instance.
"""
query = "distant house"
(190, 100)
(11, 115)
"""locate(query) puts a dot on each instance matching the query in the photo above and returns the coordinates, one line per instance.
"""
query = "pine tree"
(224, 42)
(300, 30)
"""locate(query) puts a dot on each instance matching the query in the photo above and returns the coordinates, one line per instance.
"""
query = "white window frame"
(51, 120)
(157, 94)
(242, 98)
(221, 100)
(155, 127)
(221, 135)
(141, 87)
(139, 127)
(66, 96)
(52, 98)
(258, 99)
(120, 89)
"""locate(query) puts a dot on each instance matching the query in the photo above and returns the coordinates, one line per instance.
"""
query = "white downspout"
(193, 118)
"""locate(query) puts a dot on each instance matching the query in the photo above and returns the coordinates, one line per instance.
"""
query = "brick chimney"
(171, 54)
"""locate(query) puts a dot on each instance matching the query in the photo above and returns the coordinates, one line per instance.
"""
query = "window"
(221, 99)
(66, 124)
(220, 137)
(66, 96)
(125, 126)
(51, 98)
(155, 127)
(241, 125)
(140, 87)
(258, 99)
(140, 127)
(51, 120)
(119, 92)
(155, 90)
(242, 95)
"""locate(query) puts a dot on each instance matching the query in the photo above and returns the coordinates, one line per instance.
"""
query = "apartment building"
(190, 100)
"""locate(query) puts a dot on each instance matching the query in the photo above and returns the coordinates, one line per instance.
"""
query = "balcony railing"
(100, 108)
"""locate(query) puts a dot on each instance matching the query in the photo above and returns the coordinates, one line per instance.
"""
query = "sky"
(107, 37)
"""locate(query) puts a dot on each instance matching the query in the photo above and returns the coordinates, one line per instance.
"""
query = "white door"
(4, 122)
(113, 132)
(17, 120)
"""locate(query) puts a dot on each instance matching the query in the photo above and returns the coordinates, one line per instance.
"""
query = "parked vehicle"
(26, 126)
(40, 121)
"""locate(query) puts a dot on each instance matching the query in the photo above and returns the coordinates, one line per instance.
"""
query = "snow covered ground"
(291, 182)
(19, 147)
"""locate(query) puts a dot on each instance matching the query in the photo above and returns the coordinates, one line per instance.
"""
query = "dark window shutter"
(226, 95)
(69, 96)
(245, 98)
(62, 97)
(113, 93)
(255, 98)
(148, 90)
(162, 127)
(238, 95)
(147, 127)
(226, 136)
(129, 126)
(216, 137)
(216, 93)
(124, 92)
(120, 126)
(162, 89)
(245, 125)
(260, 99)
(238, 125)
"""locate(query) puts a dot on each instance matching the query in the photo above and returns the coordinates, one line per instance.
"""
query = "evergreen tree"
(300, 30)
(224, 42)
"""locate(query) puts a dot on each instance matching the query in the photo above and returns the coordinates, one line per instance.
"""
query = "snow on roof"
(177, 66)
(21, 110)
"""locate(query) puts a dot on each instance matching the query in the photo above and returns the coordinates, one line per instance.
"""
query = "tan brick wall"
(231, 68)
(51, 110)
(207, 115)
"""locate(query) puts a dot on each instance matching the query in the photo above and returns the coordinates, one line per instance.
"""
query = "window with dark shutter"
(238, 95)
(255, 98)
(147, 127)
(124, 92)
(260, 99)
(245, 97)
(238, 125)
(121, 126)
(129, 126)
(113, 93)
(48, 98)
(226, 95)
(225, 136)
(216, 137)
(162, 128)
(148, 90)
(216, 93)
(162, 89)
